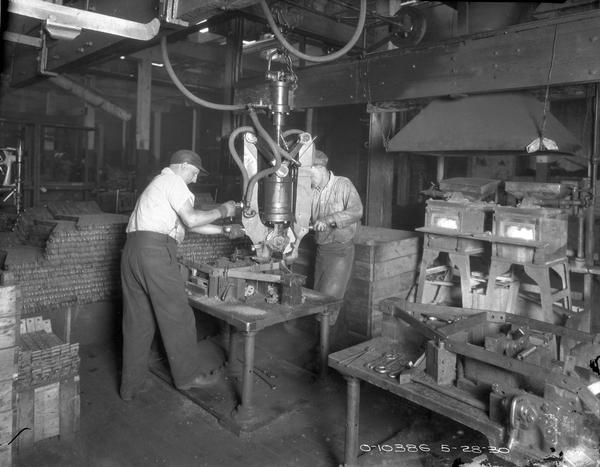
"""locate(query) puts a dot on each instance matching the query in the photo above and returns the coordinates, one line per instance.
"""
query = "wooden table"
(421, 392)
(249, 317)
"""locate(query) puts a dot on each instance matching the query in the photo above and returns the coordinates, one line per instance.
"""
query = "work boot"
(203, 380)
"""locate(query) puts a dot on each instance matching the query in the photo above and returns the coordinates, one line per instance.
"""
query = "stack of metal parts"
(198, 248)
(44, 357)
(72, 250)
(78, 258)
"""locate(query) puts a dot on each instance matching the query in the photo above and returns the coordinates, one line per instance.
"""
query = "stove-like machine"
(449, 244)
(533, 238)
(498, 254)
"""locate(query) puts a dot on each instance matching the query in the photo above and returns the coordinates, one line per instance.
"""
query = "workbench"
(247, 319)
(419, 391)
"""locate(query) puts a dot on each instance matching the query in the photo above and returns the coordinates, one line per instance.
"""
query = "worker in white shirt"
(153, 289)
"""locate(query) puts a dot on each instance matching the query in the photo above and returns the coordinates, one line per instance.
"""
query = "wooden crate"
(49, 410)
(9, 300)
(7, 429)
(385, 264)
(9, 332)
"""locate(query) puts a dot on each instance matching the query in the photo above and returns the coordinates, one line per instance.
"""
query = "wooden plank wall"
(9, 316)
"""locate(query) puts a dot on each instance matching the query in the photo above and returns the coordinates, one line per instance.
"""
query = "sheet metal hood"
(493, 123)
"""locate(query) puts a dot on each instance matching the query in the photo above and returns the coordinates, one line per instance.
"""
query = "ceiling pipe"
(90, 96)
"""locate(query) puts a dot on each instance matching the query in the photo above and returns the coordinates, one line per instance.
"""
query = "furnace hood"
(497, 123)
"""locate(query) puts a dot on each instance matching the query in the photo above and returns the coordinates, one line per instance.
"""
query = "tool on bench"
(386, 357)
(397, 363)
(408, 366)
(348, 360)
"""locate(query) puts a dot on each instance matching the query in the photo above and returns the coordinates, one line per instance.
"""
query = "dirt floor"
(164, 427)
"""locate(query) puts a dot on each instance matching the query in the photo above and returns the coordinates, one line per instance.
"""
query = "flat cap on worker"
(186, 155)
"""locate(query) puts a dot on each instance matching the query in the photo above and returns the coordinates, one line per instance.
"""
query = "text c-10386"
(447, 448)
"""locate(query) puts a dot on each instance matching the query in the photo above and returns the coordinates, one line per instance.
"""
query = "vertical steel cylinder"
(277, 195)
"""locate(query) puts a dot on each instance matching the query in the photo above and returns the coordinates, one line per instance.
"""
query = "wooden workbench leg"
(352, 411)
(244, 409)
(232, 349)
(324, 344)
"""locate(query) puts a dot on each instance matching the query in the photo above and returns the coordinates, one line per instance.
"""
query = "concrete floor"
(163, 427)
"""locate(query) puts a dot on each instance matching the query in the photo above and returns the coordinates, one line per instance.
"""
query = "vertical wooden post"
(142, 128)
(380, 176)
(156, 139)
(233, 67)
(99, 133)
(194, 127)
(310, 113)
(441, 168)
(37, 162)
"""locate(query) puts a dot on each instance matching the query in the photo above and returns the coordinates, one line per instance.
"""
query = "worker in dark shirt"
(336, 211)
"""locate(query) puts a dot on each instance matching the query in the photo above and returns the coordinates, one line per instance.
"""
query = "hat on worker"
(186, 155)
(319, 158)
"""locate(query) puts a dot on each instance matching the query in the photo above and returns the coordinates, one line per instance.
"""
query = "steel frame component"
(61, 19)
(264, 236)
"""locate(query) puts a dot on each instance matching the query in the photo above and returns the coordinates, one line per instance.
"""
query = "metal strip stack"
(198, 248)
(48, 383)
(66, 254)
(44, 357)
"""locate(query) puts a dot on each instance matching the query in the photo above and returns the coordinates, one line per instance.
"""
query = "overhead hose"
(236, 156)
(184, 90)
(290, 132)
(320, 58)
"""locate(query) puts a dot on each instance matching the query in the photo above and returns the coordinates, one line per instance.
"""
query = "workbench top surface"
(256, 314)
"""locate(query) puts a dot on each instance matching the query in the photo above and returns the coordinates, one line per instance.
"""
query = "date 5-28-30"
(427, 448)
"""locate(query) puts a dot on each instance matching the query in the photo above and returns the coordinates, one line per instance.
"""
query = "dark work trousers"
(333, 268)
(154, 294)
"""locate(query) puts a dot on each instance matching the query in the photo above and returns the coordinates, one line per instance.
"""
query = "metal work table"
(249, 317)
(354, 371)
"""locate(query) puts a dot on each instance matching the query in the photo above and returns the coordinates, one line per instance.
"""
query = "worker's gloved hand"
(233, 231)
(227, 209)
(323, 224)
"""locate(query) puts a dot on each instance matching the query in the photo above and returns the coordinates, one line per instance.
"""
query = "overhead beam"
(311, 24)
(518, 57)
(90, 97)
(88, 46)
(92, 47)
(202, 53)
(193, 10)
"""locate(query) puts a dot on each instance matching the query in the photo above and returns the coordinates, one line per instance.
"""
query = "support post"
(233, 67)
(380, 176)
(142, 128)
(352, 421)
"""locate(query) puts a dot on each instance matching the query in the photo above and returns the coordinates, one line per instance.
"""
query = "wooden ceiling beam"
(518, 57)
